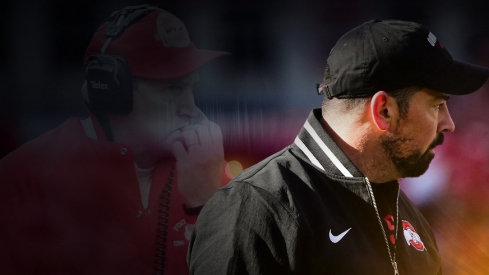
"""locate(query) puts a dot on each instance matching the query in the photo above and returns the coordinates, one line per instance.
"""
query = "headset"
(108, 78)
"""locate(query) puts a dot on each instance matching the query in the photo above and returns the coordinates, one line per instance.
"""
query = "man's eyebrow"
(442, 96)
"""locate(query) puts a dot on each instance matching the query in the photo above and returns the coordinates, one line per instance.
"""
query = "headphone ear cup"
(109, 85)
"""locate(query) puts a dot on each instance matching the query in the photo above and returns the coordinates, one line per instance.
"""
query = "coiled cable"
(162, 231)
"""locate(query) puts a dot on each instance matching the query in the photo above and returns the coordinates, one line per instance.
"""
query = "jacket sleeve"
(242, 229)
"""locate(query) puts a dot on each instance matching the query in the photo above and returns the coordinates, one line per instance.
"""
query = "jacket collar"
(93, 127)
(320, 150)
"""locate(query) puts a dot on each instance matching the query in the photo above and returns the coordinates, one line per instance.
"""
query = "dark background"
(279, 51)
(263, 92)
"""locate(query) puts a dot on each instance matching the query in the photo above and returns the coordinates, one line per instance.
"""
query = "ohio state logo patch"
(171, 31)
(412, 238)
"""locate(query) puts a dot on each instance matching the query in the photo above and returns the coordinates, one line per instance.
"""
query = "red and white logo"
(412, 238)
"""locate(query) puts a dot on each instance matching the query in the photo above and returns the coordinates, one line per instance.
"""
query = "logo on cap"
(171, 31)
(432, 39)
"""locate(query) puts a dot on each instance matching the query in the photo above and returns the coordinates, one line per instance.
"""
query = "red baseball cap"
(157, 46)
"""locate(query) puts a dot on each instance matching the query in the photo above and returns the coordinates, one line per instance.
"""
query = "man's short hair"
(348, 105)
(403, 97)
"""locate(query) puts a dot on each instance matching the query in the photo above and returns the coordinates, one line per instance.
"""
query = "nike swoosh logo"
(335, 239)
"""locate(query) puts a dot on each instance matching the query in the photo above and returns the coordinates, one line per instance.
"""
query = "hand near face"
(199, 158)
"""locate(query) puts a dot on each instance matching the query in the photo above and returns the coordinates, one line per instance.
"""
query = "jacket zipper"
(392, 256)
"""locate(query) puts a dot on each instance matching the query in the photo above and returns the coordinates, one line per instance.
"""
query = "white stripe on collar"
(327, 151)
(308, 153)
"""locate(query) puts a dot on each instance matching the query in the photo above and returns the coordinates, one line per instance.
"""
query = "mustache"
(439, 139)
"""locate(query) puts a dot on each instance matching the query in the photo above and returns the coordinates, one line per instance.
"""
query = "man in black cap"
(117, 192)
(330, 203)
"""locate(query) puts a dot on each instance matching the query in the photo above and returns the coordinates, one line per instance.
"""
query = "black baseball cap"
(390, 55)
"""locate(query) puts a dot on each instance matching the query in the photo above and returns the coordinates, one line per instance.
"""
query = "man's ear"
(381, 108)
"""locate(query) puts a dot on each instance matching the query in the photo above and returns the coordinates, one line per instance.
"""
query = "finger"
(215, 132)
(209, 130)
(194, 127)
(174, 136)
(202, 133)
(190, 137)
(179, 151)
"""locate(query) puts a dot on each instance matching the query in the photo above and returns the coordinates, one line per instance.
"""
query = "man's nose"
(186, 105)
(446, 123)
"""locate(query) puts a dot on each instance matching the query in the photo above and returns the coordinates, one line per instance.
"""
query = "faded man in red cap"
(119, 191)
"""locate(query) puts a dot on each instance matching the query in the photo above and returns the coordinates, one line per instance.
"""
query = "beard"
(409, 162)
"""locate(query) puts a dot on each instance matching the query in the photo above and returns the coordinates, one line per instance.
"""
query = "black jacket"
(308, 210)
